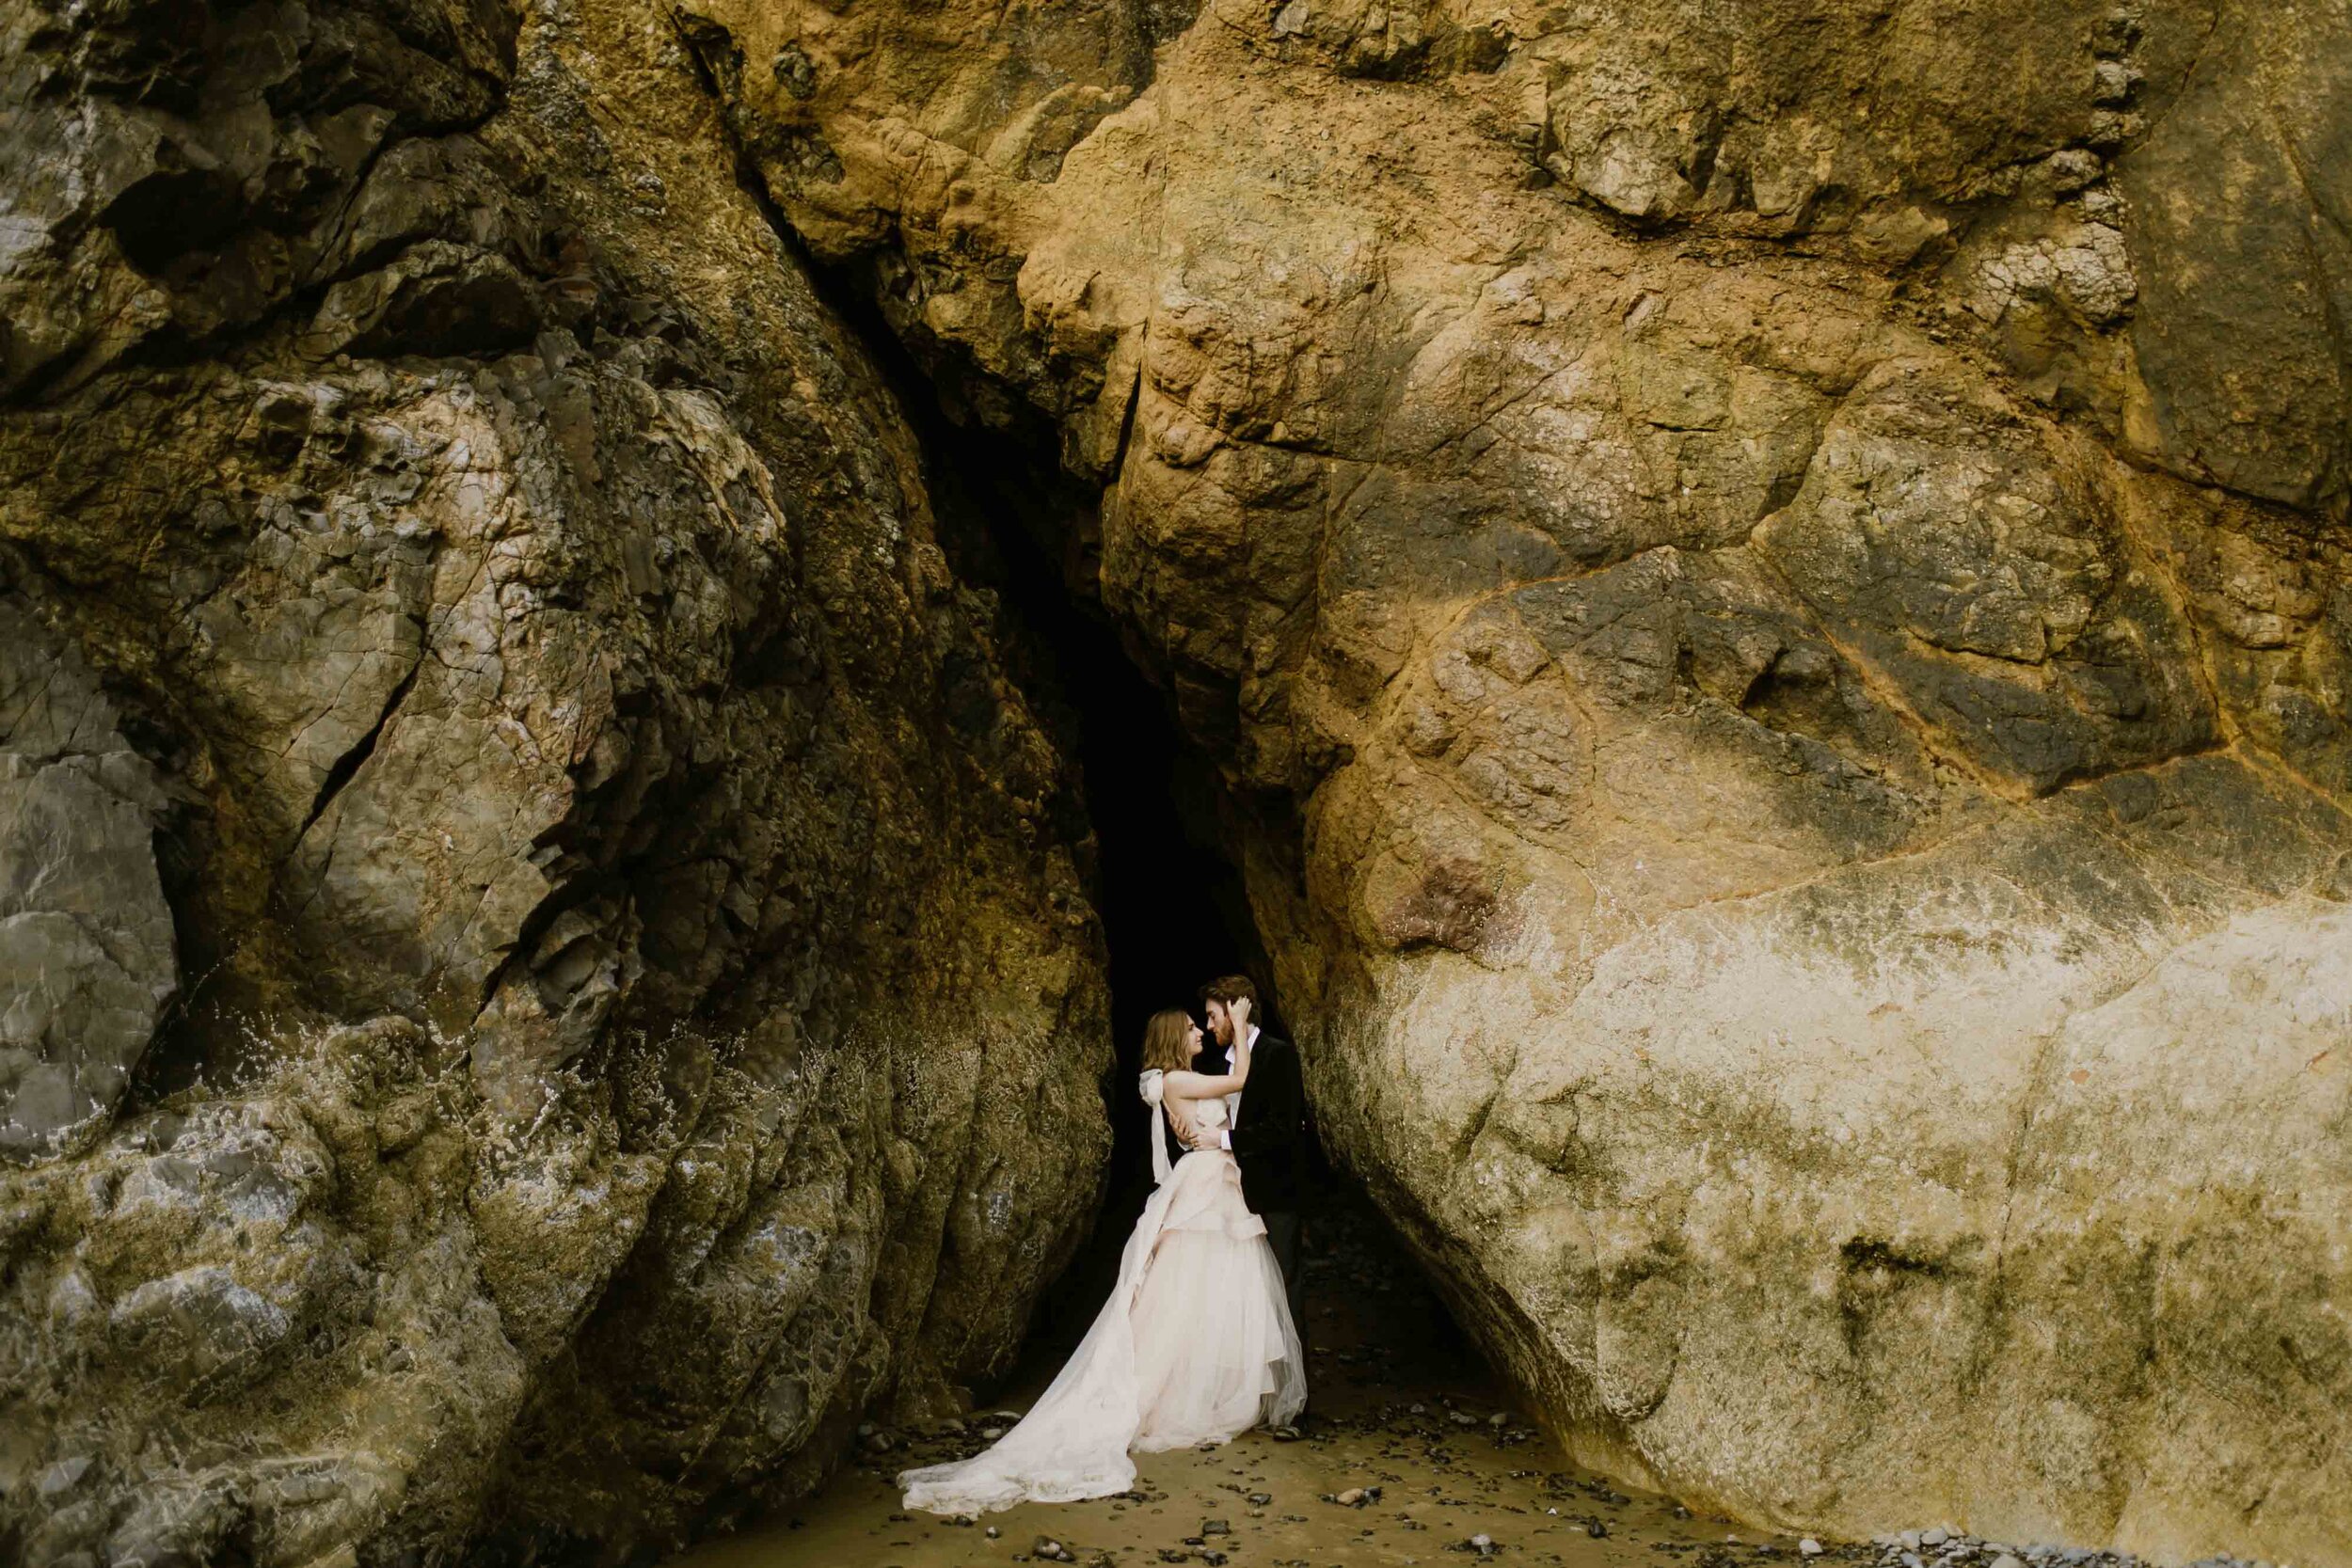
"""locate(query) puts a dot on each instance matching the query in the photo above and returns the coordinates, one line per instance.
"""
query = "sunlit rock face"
(545, 964)
(1769, 583)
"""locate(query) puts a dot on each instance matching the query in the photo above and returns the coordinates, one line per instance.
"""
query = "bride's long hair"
(1168, 1040)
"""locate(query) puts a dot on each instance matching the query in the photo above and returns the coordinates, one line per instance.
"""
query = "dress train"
(1195, 1345)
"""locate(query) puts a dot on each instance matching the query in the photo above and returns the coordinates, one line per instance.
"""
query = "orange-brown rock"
(1770, 584)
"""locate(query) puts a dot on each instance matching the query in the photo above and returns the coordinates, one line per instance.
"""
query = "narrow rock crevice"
(347, 766)
(1012, 522)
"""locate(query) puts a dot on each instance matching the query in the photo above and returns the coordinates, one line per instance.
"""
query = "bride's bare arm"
(1203, 1086)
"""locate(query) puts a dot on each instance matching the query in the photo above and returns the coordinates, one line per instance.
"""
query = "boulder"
(641, 1007)
(88, 956)
(1769, 588)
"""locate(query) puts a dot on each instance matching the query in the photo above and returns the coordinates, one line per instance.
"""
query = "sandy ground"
(1398, 1403)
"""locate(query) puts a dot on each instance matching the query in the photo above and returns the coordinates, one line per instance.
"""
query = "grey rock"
(63, 1475)
(87, 954)
(199, 1327)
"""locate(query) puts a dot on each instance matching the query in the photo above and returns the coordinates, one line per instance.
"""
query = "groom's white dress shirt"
(1232, 1102)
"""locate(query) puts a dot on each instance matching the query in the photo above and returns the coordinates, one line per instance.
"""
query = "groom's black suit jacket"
(1270, 1135)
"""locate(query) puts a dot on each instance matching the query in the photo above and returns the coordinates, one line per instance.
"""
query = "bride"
(1195, 1344)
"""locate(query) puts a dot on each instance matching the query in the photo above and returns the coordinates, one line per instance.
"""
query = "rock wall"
(545, 962)
(1770, 586)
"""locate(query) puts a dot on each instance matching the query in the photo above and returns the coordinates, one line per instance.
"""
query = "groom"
(1269, 1124)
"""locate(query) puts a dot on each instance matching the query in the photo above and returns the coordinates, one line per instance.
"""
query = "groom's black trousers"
(1270, 1142)
(1282, 1234)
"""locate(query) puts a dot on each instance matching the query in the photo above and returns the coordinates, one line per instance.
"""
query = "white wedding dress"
(1196, 1345)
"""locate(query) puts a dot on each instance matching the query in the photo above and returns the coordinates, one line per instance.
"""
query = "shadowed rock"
(642, 1006)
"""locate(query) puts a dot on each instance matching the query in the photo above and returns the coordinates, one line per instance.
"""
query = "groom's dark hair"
(1230, 988)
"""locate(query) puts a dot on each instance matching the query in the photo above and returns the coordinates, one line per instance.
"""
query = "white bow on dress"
(1152, 1089)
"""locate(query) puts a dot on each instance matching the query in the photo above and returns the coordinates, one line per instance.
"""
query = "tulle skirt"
(1195, 1345)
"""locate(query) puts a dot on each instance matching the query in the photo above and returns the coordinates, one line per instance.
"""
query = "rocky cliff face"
(1770, 584)
(544, 961)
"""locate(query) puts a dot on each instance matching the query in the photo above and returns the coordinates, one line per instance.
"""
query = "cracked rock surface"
(546, 969)
(1770, 585)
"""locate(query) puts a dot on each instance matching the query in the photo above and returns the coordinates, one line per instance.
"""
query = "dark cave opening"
(1173, 911)
(1169, 896)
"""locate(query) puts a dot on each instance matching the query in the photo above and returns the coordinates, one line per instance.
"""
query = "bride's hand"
(1238, 1008)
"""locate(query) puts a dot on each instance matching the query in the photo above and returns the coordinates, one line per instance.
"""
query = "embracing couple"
(1199, 1341)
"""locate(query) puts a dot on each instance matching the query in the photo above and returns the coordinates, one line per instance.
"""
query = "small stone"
(1051, 1550)
(1933, 1537)
(1215, 1526)
(1498, 1418)
(1594, 1529)
(992, 1533)
(63, 1475)
(1261, 1499)
(1352, 1497)
(1810, 1547)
